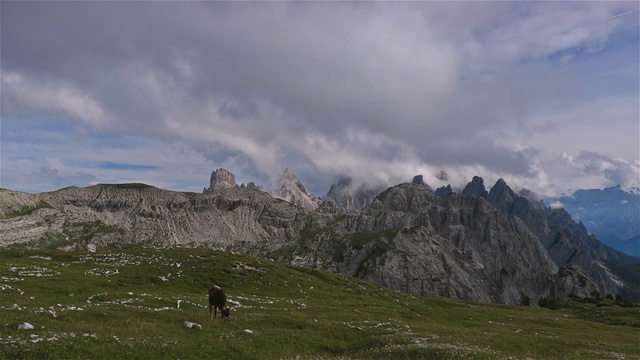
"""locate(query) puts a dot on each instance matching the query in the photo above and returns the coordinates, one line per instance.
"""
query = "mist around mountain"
(489, 246)
(612, 215)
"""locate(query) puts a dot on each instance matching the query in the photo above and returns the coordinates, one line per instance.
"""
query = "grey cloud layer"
(338, 88)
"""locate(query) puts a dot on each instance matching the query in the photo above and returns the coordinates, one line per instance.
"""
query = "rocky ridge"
(496, 247)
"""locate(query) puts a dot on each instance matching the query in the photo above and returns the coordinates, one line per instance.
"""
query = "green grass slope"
(132, 304)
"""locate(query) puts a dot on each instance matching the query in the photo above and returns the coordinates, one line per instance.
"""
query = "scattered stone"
(248, 331)
(26, 326)
(91, 248)
(191, 325)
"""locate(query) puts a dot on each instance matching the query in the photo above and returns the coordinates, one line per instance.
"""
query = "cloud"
(375, 91)
(556, 205)
(592, 170)
(56, 97)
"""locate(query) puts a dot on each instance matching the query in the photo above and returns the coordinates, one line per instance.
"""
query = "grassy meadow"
(133, 304)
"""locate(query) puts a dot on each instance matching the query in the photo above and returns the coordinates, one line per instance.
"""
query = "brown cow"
(217, 300)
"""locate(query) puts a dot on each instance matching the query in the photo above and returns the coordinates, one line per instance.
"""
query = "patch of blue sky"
(192, 186)
(36, 129)
(41, 128)
(610, 71)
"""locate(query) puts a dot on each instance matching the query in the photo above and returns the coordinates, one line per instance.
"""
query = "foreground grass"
(133, 304)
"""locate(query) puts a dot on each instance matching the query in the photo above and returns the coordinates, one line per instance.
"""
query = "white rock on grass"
(191, 325)
(26, 326)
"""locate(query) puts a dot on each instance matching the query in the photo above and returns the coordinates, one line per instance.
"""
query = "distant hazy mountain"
(611, 214)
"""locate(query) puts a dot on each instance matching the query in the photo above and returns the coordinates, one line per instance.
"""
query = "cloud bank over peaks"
(378, 92)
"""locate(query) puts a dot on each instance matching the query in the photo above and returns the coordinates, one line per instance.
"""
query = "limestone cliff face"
(463, 246)
(566, 242)
(457, 246)
(134, 214)
(221, 179)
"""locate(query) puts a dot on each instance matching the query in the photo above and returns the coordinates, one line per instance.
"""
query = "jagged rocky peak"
(419, 180)
(475, 187)
(252, 185)
(291, 189)
(501, 194)
(342, 195)
(221, 179)
(535, 200)
(351, 197)
(443, 191)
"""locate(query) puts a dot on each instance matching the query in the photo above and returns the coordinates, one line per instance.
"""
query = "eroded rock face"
(457, 246)
(567, 243)
(221, 179)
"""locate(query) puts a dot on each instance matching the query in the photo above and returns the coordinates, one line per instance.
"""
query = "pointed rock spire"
(501, 195)
(291, 189)
(443, 191)
(475, 187)
(221, 179)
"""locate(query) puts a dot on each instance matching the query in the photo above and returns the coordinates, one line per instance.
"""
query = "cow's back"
(217, 297)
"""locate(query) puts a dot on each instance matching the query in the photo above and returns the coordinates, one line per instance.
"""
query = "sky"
(542, 94)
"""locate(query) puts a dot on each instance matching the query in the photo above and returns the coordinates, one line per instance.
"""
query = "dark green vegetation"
(133, 304)
(28, 210)
(130, 186)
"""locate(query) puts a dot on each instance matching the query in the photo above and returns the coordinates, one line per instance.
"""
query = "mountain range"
(479, 245)
(611, 214)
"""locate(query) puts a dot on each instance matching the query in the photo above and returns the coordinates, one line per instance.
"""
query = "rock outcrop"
(443, 191)
(567, 243)
(457, 246)
(221, 179)
(475, 187)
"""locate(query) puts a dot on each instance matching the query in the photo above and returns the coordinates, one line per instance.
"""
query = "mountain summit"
(290, 188)
(221, 179)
